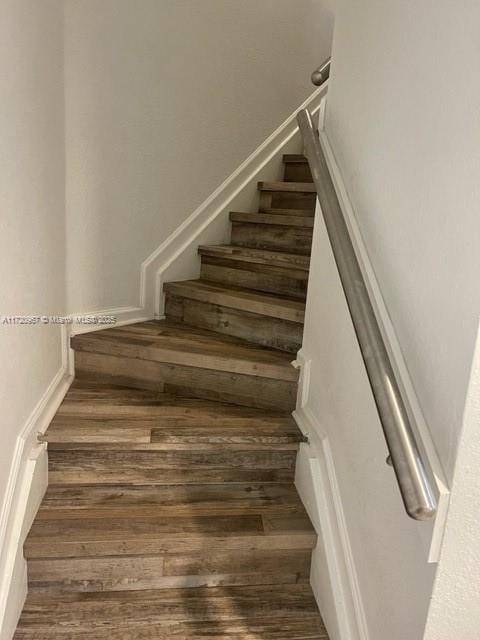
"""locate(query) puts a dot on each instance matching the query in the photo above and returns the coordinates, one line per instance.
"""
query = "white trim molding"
(176, 258)
(316, 482)
(122, 315)
(26, 485)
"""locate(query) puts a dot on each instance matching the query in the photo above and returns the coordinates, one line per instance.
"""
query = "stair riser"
(132, 573)
(287, 200)
(258, 277)
(168, 545)
(259, 329)
(83, 467)
(297, 172)
(279, 626)
(272, 237)
(253, 391)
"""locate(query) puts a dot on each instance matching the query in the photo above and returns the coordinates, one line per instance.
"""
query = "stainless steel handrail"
(414, 474)
(322, 73)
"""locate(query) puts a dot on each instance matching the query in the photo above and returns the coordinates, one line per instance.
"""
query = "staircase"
(171, 510)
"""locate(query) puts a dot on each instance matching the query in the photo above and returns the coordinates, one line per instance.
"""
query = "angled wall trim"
(175, 258)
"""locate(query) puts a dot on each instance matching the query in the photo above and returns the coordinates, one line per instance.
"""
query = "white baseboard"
(333, 578)
(25, 489)
(176, 258)
(122, 315)
(430, 533)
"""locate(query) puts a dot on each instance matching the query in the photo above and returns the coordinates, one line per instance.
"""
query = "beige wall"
(164, 100)
(32, 224)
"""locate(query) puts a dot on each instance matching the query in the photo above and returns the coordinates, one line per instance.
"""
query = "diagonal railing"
(414, 474)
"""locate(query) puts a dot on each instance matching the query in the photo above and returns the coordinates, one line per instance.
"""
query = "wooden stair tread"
(219, 612)
(104, 501)
(173, 466)
(258, 256)
(295, 187)
(174, 343)
(238, 298)
(295, 158)
(273, 219)
(171, 510)
(137, 420)
(287, 212)
(89, 532)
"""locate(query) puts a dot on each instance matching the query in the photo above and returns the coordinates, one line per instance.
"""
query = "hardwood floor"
(171, 510)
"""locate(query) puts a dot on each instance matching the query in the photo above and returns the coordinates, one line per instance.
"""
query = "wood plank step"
(287, 212)
(288, 194)
(166, 422)
(292, 239)
(238, 298)
(105, 501)
(255, 269)
(259, 329)
(260, 218)
(280, 629)
(173, 343)
(296, 169)
(240, 629)
(171, 466)
(78, 614)
(257, 256)
(297, 187)
(220, 386)
(131, 573)
(153, 534)
(296, 158)
(108, 403)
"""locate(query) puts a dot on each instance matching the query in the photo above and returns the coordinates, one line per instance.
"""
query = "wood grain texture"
(272, 237)
(109, 417)
(242, 299)
(273, 219)
(91, 536)
(132, 573)
(80, 613)
(171, 510)
(296, 168)
(290, 283)
(289, 261)
(169, 466)
(105, 501)
(175, 344)
(260, 329)
(291, 187)
(211, 384)
(285, 211)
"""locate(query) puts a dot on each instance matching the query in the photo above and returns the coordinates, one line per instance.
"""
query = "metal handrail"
(414, 474)
(322, 73)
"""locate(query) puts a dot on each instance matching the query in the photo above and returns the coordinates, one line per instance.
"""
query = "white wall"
(32, 229)
(32, 256)
(389, 555)
(402, 119)
(454, 611)
(164, 100)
